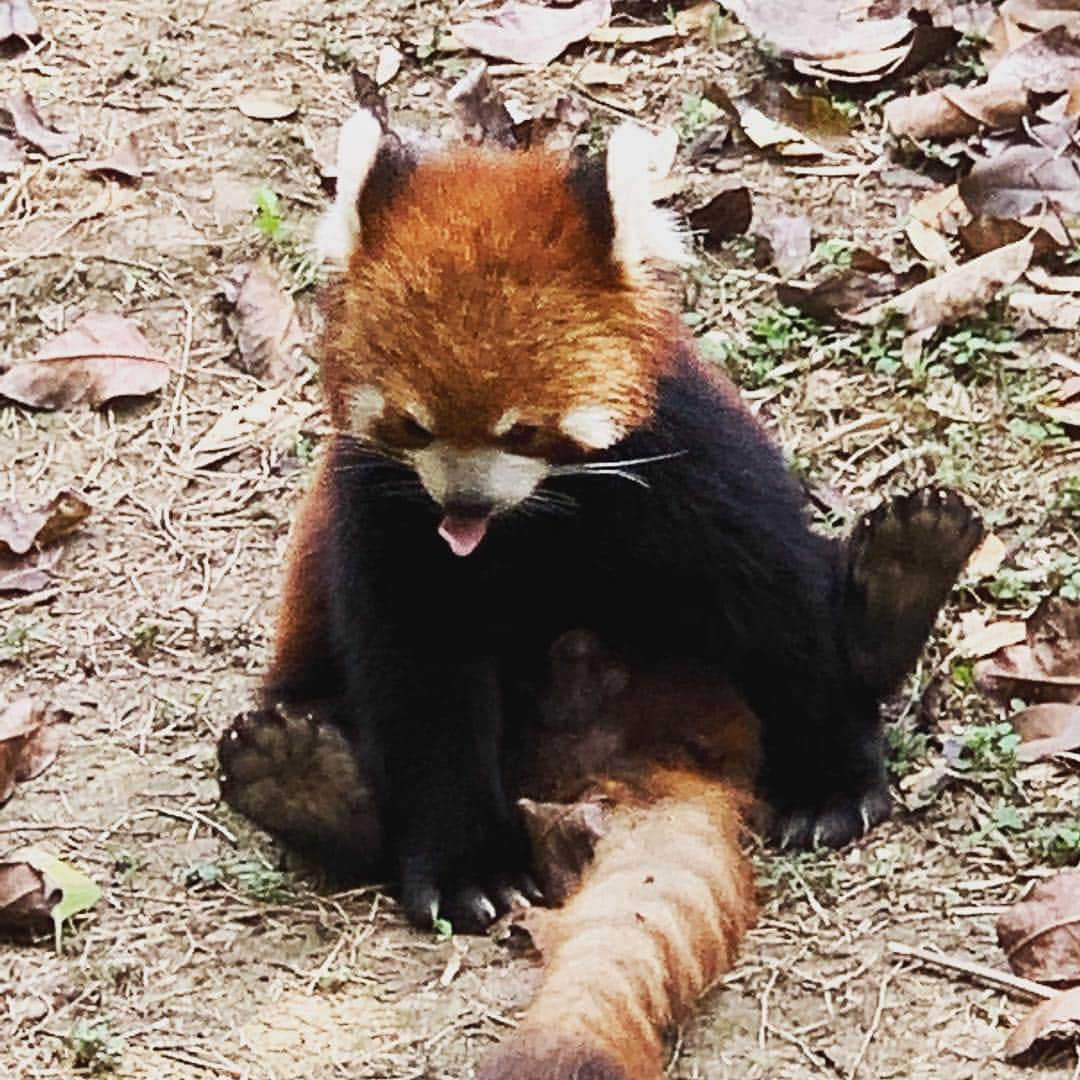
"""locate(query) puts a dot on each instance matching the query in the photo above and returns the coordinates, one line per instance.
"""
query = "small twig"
(875, 1022)
(1002, 980)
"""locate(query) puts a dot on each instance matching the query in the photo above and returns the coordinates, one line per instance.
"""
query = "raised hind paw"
(297, 778)
(904, 558)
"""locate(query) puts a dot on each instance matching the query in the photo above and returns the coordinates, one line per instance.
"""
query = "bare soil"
(204, 957)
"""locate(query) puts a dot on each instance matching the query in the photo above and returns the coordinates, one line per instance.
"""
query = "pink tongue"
(463, 534)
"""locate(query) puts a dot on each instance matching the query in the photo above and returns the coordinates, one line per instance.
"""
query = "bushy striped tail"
(658, 918)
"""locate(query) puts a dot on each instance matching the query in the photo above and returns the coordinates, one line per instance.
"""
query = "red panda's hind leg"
(903, 559)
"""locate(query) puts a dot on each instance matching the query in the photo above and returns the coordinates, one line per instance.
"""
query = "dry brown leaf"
(481, 110)
(1058, 283)
(1044, 311)
(17, 19)
(982, 234)
(31, 127)
(942, 210)
(21, 529)
(564, 838)
(1059, 1013)
(1069, 415)
(851, 291)
(987, 558)
(1048, 63)
(102, 357)
(25, 578)
(26, 899)
(11, 156)
(725, 215)
(531, 33)
(1045, 666)
(123, 160)
(30, 738)
(262, 417)
(267, 104)
(824, 30)
(1021, 180)
(1041, 935)
(266, 325)
(930, 244)
(953, 111)
(632, 34)
(978, 637)
(1047, 729)
(387, 65)
(787, 241)
(597, 73)
(956, 293)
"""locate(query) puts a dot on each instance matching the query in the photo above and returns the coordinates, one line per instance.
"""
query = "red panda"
(527, 444)
(638, 785)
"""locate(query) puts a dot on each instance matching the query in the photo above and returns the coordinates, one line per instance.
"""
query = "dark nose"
(469, 505)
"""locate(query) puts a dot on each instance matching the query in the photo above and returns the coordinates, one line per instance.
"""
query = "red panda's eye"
(522, 437)
(407, 432)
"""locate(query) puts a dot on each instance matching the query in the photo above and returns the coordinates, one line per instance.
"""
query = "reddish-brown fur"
(544, 319)
(661, 911)
(301, 630)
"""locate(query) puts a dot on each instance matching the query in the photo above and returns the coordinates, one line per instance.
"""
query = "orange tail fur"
(657, 919)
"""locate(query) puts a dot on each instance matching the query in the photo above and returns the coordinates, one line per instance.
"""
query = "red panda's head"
(494, 314)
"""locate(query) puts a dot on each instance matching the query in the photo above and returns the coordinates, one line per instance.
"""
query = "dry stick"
(1002, 980)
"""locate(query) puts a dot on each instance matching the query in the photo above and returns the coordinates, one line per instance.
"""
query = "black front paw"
(810, 821)
(468, 886)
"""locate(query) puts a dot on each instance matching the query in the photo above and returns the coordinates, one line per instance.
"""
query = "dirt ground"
(205, 958)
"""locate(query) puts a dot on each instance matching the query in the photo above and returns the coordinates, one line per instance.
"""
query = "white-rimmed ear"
(643, 233)
(596, 427)
(339, 230)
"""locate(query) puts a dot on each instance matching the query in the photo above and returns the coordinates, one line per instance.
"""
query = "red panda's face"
(484, 333)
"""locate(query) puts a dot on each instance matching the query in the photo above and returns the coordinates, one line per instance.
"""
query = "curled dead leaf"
(957, 293)
(564, 838)
(32, 128)
(786, 242)
(1044, 311)
(21, 529)
(1045, 666)
(1022, 180)
(1041, 935)
(1047, 729)
(1059, 1013)
(30, 738)
(102, 357)
(123, 160)
(725, 215)
(531, 33)
(953, 111)
(388, 65)
(267, 329)
(987, 558)
(481, 109)
(17, 19)
(37, 888)
(26, 899)
(980, 637)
